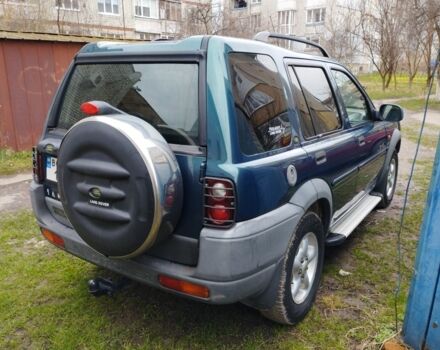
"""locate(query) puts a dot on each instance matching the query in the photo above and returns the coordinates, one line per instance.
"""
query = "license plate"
(51, 168)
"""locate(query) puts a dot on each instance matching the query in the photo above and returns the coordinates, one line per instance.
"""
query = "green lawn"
(373, 84)
(418, 104)
(430, 135)
(44, 301)
(14, 162)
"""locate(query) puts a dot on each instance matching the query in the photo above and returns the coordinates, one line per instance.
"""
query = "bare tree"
(427, 45)
(200, 19)
(211, 18)
(380, 29)
(413, 36)
(342, 39)
(429, 11)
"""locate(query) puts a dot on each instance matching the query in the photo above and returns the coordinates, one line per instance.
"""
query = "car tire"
(387, 186)
(295, 297)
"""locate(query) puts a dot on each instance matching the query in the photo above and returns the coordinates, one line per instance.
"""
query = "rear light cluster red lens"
(219, 202)
(37, 165)
(89, 108)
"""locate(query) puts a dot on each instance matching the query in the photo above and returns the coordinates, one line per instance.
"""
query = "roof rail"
(264, 36)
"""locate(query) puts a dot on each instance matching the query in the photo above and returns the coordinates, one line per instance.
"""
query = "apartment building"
(321, 21)
(325, 22)
(129, 19)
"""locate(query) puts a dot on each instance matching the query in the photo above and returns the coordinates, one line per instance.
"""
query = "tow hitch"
(105, 286)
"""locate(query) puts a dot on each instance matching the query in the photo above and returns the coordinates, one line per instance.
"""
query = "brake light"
(89, 108)
(52, 237)
(219, 202)
(37, 165)
(184, 286)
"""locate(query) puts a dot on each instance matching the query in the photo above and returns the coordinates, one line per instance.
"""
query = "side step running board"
(341, 229)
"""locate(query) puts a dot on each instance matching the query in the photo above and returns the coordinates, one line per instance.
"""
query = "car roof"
(249, 45)
(192, 43)
(195, 43)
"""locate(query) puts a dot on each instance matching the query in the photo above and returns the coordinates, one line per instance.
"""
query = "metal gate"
(30, 71)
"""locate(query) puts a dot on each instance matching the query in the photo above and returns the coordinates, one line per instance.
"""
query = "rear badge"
(49, 148)
(95, 193)
(99, 203)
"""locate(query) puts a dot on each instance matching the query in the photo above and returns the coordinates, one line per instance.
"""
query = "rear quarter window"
(260, 103)
(164, 95)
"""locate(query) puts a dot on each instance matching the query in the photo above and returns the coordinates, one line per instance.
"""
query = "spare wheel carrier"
(120, 184)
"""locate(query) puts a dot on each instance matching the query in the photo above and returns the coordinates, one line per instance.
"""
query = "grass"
(373, 84)
(44, 301)
(418, 104)
(14, 162)
(430, 136)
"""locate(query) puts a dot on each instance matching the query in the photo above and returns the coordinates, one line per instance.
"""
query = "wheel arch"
(315, 195)
(394, 146)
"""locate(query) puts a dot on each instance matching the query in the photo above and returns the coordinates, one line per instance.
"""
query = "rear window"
(164, 95)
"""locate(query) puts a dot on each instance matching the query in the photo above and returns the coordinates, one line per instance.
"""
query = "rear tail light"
(37, 165)
(89, 108)
(52, 237)
(184, 286)
(220, 202)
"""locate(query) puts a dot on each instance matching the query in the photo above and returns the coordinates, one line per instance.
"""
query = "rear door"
(169, 96)
(330, 145)
(370, 135)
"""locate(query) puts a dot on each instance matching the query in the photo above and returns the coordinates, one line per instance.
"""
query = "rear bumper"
(235, 264)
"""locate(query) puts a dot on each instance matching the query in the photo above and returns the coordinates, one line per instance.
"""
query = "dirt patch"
(15, 197)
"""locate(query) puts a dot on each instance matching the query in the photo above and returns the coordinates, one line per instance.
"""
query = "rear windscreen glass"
(164, 95)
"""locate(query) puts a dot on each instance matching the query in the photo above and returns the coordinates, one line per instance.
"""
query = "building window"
(148, 36)
(315, 16)
(67, 5)
(146, 8)
(111, 35)
(256, 1)
(256, 21)
(286, 21)
(313, 39)
(170, 10)
(108, 7)
(193, 15)
(238, 4)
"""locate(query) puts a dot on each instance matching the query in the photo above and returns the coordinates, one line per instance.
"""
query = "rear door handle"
(320, 157)
(361, 140)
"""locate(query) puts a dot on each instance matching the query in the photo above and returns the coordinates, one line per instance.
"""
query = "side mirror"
(391, 113)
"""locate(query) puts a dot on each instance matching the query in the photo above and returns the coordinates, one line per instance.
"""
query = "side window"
(319, 98)
(260, 104)
(304, 114)
(352, 97)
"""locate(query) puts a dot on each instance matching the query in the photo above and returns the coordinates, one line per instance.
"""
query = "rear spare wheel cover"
(120, 184)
